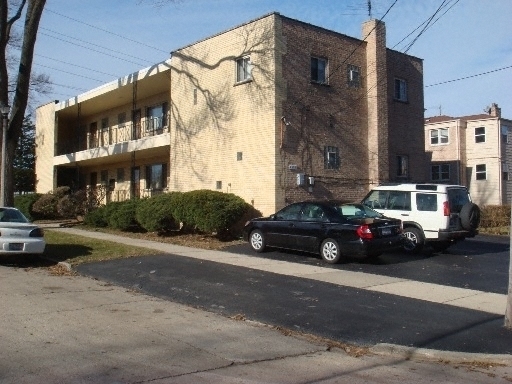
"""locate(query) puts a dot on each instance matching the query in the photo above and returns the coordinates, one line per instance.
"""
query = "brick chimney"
(374, 33)
(494, 110)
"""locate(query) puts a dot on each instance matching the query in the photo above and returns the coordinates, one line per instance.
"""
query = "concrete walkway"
(459, 297)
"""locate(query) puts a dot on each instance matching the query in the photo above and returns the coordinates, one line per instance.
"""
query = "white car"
(435, 214)
(18, 235)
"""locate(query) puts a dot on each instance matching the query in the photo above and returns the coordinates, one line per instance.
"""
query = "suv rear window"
(457, 197)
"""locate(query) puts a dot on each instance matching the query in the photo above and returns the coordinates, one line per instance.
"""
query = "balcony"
(121, 139)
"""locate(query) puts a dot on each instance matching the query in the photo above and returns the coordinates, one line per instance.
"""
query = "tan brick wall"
(45, 144)
(227, 118)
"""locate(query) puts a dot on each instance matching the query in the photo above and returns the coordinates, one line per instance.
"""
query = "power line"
(105, 30)
(75, 65)
(469, 77)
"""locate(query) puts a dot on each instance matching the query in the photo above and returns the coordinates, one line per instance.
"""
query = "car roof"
(418, 187)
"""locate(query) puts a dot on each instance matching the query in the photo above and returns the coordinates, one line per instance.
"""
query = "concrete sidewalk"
(459, 297)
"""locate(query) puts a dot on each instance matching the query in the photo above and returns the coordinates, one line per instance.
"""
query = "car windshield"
(352, 211)
(9, 215)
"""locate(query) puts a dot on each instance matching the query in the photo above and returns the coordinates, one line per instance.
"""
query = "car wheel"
(440, 246)
(257, 241)
(413, 240)
(330, 251)
(470, 216)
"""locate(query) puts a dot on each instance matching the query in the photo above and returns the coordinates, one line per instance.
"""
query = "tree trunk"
(20, 100)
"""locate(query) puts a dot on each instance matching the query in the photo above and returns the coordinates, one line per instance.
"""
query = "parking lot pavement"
(58, 328)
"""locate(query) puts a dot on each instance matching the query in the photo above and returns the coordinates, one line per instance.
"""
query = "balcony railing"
(112, 135)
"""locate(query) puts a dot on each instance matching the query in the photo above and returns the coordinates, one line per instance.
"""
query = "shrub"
(495, 216)
(25, 202)
(46, 206)
(121, 215)
(156, 214)
(96, 217)
(211, 211)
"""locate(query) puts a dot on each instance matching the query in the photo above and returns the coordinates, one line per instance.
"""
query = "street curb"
(438, 355)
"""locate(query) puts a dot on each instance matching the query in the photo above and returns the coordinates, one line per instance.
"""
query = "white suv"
(436, 214)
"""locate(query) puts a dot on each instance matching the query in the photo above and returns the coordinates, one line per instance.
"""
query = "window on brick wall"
(319, 70)
(439, 136)
(440, 172)
(331, 157)
(402, 166)
(354, 76)
(243, 69)
(480, 135)
(400, 90)
(481, 172)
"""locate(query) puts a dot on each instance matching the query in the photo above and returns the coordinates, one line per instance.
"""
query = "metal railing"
(112, 135)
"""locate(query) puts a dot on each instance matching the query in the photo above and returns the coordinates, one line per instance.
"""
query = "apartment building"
(274, 110)
(475, 151)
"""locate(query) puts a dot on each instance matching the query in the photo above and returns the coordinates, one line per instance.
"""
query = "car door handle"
(404, 214)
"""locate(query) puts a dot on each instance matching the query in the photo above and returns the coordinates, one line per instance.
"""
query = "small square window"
(480, 135)
(440, 172)
(243, 69)
(319, 70)
(218, 185)
(481, 172)
(239, 156)
(400, 90)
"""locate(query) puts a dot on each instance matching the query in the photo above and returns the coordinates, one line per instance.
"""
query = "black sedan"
(331, 229)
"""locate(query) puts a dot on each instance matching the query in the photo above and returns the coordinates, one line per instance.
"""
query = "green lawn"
(75, 249)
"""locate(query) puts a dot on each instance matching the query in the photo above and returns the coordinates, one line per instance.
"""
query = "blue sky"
(84, 44)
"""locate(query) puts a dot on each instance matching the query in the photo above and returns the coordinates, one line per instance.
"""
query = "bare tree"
(33, 12)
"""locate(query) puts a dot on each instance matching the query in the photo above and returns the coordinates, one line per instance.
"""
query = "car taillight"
(37, 232)
(446, 208)
(363, 231)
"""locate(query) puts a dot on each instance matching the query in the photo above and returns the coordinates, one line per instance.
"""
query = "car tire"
(414, 240)
(470, 216)
(330, 251)
(257, 240)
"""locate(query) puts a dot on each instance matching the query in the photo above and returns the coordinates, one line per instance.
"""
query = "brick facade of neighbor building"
(475, 151)
(275, 110)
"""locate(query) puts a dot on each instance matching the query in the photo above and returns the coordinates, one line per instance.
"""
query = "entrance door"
(136, 181)
(93, 135)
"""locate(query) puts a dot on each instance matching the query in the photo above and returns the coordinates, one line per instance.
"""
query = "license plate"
(386, 231)
(16, 247)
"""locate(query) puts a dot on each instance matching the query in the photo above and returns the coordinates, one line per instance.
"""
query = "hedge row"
(203, 210)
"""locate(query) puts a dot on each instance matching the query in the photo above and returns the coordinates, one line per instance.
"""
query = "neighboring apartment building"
(275, 110)
(475, 151)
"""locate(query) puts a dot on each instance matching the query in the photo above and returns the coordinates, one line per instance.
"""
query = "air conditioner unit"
(300, 179)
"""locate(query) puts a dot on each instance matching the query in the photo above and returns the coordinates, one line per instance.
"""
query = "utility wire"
(469, 77)
(105, 30)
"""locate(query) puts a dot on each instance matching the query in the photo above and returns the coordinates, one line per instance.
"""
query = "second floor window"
(480, 135)
(331, 158)
(319, 70)
(156, 116)
(439, 136)
(353, 76)
(402, 166)
(400, 90)
(243, 69)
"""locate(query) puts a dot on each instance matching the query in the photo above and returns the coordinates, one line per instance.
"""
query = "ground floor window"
(481, 172)
(156, 176)
(440, 172)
